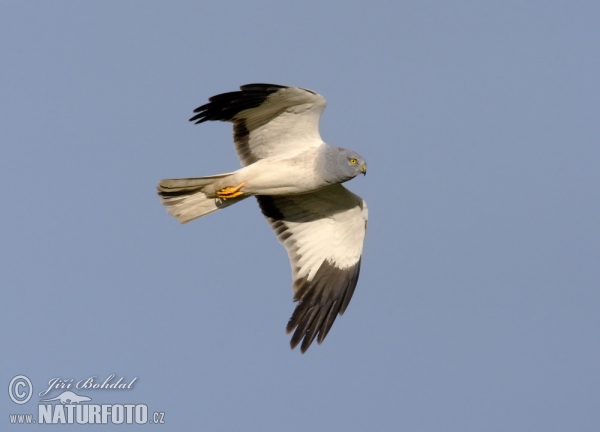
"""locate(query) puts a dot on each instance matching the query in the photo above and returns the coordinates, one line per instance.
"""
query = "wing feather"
(267, 119)
(323, 233)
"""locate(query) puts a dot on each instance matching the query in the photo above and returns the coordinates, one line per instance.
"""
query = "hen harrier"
(296, 179)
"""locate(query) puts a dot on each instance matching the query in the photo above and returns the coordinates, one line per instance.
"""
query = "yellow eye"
(353, 161)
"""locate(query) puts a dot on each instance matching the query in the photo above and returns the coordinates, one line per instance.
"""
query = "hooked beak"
(363, 169)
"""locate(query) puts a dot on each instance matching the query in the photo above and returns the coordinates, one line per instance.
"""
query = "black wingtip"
(319, 303)
(225, 106)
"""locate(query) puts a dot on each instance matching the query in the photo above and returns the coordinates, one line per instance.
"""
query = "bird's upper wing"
(267, 119)
(323, 233)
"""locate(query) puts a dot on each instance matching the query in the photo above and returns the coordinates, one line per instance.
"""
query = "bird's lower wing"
(323, 233)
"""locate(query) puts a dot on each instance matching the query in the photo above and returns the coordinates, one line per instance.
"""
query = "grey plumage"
(333, 164)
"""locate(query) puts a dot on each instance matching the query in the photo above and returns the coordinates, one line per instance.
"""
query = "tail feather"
(186, 200)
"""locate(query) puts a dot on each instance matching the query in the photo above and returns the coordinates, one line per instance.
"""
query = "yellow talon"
(230, 191)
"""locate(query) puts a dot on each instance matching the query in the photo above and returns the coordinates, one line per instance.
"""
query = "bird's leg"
(230, 191)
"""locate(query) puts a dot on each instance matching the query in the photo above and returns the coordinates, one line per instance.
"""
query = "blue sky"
(477, 306)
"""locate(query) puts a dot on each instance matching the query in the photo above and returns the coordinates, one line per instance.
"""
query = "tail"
(186, 200)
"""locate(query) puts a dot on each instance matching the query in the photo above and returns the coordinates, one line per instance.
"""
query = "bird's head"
(356, 163)
(343, 164)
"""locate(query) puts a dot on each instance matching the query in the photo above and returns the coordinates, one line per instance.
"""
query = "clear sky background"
(478, 303)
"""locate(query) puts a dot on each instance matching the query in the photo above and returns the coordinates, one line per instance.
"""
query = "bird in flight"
(297, 181)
